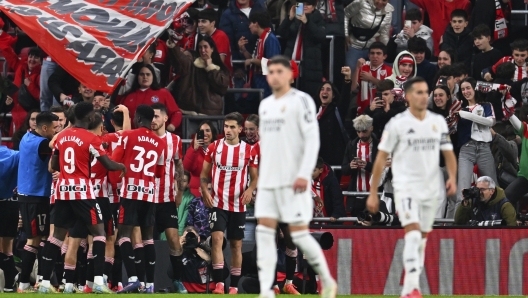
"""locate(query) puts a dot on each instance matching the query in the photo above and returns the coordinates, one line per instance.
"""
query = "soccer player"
(34, 190)
(414, 139)
(165, 199)
(287, 121)
(74, 194)
(142, 151)
(228, 161)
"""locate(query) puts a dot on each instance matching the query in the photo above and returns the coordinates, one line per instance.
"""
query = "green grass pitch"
(211, 296)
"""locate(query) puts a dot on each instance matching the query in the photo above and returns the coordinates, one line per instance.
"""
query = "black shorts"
(166, 216)
(115, 212)
(67, 213)
(8, 218)
(79, 230)
(232, 223)
(136, 213)
(52, 214)
(35, 218)
(108, 219)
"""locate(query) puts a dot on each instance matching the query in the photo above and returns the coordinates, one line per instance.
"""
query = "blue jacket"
(236, 24)
(8, 171)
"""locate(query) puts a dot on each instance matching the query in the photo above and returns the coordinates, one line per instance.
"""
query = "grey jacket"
(363, 14)
(424, 33)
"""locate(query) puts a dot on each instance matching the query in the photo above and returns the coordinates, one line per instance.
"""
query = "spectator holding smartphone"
(194, 156)
(384, 107)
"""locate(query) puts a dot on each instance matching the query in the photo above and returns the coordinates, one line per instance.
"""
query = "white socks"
(421, 251)
(314, 255)
(266, 258)
(412, 262)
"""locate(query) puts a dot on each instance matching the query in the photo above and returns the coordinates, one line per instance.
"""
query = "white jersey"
(415, 146)
(289, 139)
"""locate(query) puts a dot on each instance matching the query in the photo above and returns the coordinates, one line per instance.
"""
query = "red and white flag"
(96, 41)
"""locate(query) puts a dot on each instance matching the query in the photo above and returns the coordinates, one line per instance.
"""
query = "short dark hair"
(253, 118)
(417, 45)
(460, 13)
(235, 116)
(446, 71)
(451, 53)
(187, 173)
(118, 118)
(460, 69)
(505, 70)
(82, 110)
(407, 86)
(320, 163)
(161, 107)
(385, 85)
(520, 45)
(35, 52)
(56, 109)
(146, 113)
(280, 59)
(378, 45)
(481, 30)
(46, 118)
(262, 18)
(70, 114)
(96, 120)
(208, 14)
(413, 14)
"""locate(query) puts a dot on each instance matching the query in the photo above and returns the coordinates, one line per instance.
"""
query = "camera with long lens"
(471, 193)
(191, 241)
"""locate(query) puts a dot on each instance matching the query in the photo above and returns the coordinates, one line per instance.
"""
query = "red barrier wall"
(458, 261)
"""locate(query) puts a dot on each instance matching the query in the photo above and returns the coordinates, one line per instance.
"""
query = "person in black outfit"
(484, 12)
(457, 36)
(383, 109)
(62, 84)
(487, 56)
(418, 47)
(504, 76)
(326, 184)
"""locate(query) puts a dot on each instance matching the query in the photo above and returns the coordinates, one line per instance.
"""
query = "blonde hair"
(363, 122)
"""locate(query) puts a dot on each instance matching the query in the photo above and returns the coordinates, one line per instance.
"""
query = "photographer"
(485, 202)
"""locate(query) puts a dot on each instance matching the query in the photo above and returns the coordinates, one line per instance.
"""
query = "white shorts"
(418, 211)
(284, 205)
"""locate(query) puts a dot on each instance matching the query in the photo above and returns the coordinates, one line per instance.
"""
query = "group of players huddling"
(125, 183)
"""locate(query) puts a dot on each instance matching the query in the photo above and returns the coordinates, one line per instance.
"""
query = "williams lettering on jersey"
(71, 139)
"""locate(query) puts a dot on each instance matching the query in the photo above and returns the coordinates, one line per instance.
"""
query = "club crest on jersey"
(479, 112)
(154, 99)
(283, 109)
(434, 128)
(142, 189)
(383, 72)
(241, 155)
(75, 188)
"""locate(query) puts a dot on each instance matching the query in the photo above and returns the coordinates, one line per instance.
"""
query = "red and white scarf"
(364, 152)
(508, 103)
(259, 49)
(501, 28)
(298, 48)
(327, 9)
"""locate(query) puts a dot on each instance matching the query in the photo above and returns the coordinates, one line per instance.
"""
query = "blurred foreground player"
(414, 139)
(287, 117)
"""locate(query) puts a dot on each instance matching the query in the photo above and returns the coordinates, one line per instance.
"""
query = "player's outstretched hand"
(123, 171)
(451, 187)
(300, 185)
(246, 196)
(373, 204)
(208, 200)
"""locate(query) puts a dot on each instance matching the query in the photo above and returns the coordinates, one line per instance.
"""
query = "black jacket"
(462, 44)
(333, 142)
(350, 153)
(311, 68)
(333, 197)
(381, 118)
(62, 82)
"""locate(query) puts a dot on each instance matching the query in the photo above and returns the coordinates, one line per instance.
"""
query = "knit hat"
(405, 59)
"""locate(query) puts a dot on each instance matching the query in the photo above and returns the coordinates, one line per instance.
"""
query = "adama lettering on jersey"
(71, 139)
(147, 139)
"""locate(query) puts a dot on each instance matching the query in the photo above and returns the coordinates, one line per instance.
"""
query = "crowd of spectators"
(471, 54)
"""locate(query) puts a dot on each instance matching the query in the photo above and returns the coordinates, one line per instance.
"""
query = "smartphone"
(442, 81)
(408, 24)
(299, 9)
(356, 159)
(200, 135)
(378, 95)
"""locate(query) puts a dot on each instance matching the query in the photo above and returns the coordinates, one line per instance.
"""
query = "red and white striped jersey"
(75, 147)
(141, 151)
(364, 152)
(53, 197)
(98, 176)
(114, 181)
(230, 165)
(165, 186)
(520, 71)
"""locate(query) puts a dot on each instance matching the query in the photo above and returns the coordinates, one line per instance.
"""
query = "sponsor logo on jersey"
(154, 99)
(228, 168)
(75, 188)
(96, 187)
(141, 189)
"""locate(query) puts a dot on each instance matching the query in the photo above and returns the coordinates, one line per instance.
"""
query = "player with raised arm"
(228, 161)
(142, 151)
(165, 197)
(414, 138)
(74, 194)
(287, 121)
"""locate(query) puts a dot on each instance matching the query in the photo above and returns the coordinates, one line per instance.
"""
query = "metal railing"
(355, 219)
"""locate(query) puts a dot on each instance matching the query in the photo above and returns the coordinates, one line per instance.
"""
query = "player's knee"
(236, 245)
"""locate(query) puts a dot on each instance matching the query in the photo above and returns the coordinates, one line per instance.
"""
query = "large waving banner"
(96, 41)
